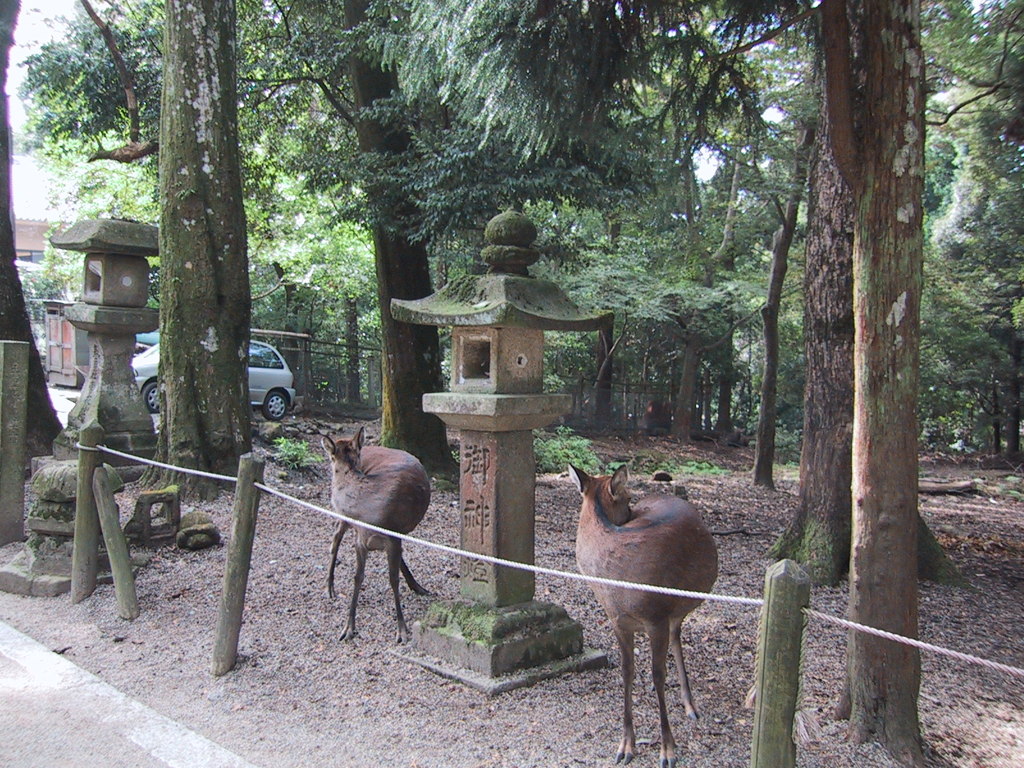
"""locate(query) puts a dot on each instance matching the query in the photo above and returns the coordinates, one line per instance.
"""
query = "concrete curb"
(53, 712)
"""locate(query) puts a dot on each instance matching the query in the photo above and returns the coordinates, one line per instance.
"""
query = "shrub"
(294, 454)
(554, 452)
(702, 468)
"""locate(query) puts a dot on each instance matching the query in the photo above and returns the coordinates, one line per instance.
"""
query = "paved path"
(54, 714)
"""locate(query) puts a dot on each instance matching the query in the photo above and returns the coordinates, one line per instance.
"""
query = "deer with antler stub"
(386, 488)
(660, 540)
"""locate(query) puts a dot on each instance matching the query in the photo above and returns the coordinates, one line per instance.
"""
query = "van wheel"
(151, 396)
(275, 404)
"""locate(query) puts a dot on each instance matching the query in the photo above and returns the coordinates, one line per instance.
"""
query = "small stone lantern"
(112, 310)
(496, 401)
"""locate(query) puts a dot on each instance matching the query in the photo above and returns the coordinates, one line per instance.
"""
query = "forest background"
(672, 227)
(395, 130)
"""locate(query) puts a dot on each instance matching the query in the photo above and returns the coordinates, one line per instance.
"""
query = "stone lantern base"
(500, 649)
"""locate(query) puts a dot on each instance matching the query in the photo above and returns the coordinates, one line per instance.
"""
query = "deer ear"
(619, 478)
(357, 441)
(328, 445)
(579, 478)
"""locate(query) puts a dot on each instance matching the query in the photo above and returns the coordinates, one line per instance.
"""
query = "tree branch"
(127, 81)
(966, 103)
(770, 34)
(334, 101)
(129, 153)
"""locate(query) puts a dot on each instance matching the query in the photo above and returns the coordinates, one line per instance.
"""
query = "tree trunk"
(14, 321)
(764, 453)
(997, 419)
(353, 384)
(723, 418)
(725, 258)
(1013, 415)
(412, 357)
(819, 535)
(603, 384)
(205, 417)
(876, 101)
(682, 416)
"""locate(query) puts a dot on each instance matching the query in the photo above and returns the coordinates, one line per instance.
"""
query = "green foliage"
(694, 467)
(555, 451)
(294, 454)
(647, 462)
(75, 84)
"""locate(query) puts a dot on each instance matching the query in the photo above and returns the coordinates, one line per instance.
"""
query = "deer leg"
(659, 660)
(338, 535)
(410, 580)
(350, 626)
(628, 744)
(394, 547)
(684, 681)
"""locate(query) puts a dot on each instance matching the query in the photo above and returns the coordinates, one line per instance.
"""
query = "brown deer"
(661, 540)
(384, 487)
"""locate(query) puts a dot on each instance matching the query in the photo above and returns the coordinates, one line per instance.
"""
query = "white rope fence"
(1015, 671)
(711, 597)
(515, 564)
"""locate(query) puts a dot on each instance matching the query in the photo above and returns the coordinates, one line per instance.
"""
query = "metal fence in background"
(329, 375)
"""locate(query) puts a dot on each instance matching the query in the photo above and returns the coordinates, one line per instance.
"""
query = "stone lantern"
(112, 310)
(496, 401)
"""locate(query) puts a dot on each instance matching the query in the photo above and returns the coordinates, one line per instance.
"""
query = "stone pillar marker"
(500, 637)
(13, 429)
(112, 310)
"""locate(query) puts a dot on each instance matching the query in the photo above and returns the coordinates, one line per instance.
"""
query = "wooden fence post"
(117, 547)
(787, 591)
(85, 551)
(236, 571)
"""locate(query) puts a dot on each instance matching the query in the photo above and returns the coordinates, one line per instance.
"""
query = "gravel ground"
(301, 697)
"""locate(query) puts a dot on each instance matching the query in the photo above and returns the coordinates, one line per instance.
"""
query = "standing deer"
(384, 487)
(660, 541)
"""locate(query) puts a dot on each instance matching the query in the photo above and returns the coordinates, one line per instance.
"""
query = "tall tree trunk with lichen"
(875, 89)
(412, 357)
(819, 534)
(14, 320)
(205, 418)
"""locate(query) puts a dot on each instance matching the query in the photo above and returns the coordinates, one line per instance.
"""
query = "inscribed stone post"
(13, 415)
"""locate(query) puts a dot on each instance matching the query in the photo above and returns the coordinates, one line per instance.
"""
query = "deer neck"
(604, 512)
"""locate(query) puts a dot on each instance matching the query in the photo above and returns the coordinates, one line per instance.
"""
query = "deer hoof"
(348, 633)
(668, 762)
(624, 757)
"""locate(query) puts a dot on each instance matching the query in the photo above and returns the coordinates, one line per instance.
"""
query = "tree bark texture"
(686, 396)
(14, 320)
(205, 417)
(1013, 416)
(412, 357)
(880, 149)
(605, 368)
(819, 536)
(353, 384)
(764, 454)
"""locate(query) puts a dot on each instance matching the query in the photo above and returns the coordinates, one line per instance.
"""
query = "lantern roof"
(115, 236)
(507, 295)
(499, 300)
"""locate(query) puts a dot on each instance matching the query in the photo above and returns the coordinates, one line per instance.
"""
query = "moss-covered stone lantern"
(496, 400)
(112, 310)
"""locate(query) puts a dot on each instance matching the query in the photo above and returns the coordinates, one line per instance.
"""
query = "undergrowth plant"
(555, 451)
(294, 454)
